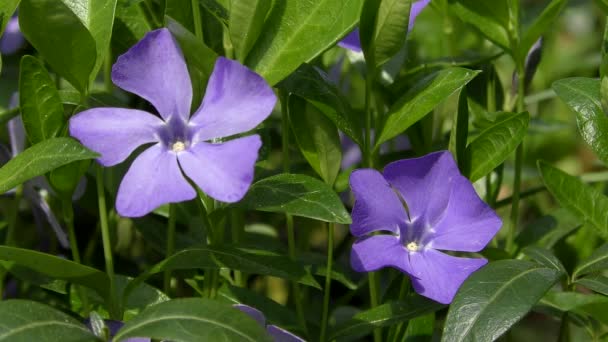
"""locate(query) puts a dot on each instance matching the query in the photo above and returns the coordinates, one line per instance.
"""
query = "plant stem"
(326, 296)
(107, 69)
(68, 217)
(196, 13)
(107, 245)
(170, 246)
(237, 230)
(12, 217)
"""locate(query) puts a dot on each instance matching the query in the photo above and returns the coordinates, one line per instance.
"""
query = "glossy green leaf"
(298, 195)
(386, 315)
(391, 29)
(544, 257)
(25, 320)
(313, 84)
(40, 159)
(597, 283)
(570, 301)
(485, 307)
(193, 320)
(292, 34)
(317, 138)
(587, 203)
(598, 261)
(423, 98)
(495, 144)
(7, 8)
(245, 24)
(57, 268)
(41, 107)
(541, 25)
(65, 43)
(582, 95)
(490, 18)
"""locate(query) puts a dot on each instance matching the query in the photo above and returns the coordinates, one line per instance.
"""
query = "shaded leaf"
(597, 283)
(598, 261)
(245, 24)
(541, 25)
(544, 257)
(489, 18)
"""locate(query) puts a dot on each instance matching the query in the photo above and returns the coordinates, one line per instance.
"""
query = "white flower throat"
(412, 246)
(178, 146)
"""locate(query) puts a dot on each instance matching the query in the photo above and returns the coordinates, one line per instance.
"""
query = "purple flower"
(442, 212)
(277, 334)
(236, 101)
(352, 42)
(12, 38)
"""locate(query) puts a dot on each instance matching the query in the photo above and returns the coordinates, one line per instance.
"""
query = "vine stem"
(170, 246)
(107, 244)
(326, 296)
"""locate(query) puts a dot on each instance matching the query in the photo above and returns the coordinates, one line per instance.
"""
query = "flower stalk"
(170, 245)
(107, 244)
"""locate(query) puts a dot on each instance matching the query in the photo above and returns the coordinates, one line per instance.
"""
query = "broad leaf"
(587, 203)
(65, 43)
(598, 261)
(385, 315)
(544, 257)
(317, 138)
(391, 26)
(597, 283)
(421, 99)
(40, 159)
(245, 24)
(298, 195)
(7, 8)
(193, 320)
(582, 95)
(292, 34)
(41, 107)
(495, 144)
(485, 307)
(489, 17)
(25, 320)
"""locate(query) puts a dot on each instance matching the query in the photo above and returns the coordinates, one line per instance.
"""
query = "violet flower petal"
(114, 132)
(281, 335)
(415, 10)
(467, 227)
(424, 183)
(223, 171)
(153, 179)
(438, 276)
(377, 251)
(351, 41)
(12, 39)
(236, 101)
(252, 312)
(377, 207)
(155, 69)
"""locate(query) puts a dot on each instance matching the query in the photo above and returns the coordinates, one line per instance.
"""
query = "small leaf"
(494, 298)
(460, 131)
(292, 34)
(193, 320)
(582, 95)
(495, 144)
(570, 301)
(385, 315)
(598, 261)
(489, 18)
(25, 320)
(40, 159)
(587, 203)
(544, 257)
(549, 229)
(597, 283)
(421, 99)
(298, 195)
(41, 108)
(391, 26)
(541, 25)
(245, 24)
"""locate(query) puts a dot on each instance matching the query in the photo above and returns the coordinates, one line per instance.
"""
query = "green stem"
(326, 296)
(170, 246)
(12, 217)
(196, 13)
(107, 71)
(107, 245)
(395, 330)
(237, 230)
(68, 217)
(373, 299)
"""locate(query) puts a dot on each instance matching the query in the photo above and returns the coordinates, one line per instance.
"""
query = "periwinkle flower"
(278, 334)
(352, 42)
(12, 38)
(442, 211)
(236, 101)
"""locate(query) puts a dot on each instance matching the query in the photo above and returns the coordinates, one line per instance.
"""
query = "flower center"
(178, 146)
(412, 246)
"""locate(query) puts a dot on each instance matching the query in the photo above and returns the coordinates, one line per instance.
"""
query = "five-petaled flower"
(420, 206)
(236, 101)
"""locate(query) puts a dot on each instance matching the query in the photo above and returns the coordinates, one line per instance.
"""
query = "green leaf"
(57, 268)
(544, 257)
(40, 159)
(582, 95)
(25, 320)
(245, 24)
(541, 25)
(64, 43)
(199, 58)
(7, 8)
(490, 18)
(298, 195)
(549, 229)
(317, 138)
(181, 12)
(597, 283)
(193, 320)
(390, 29)
(313, 84)
(460, 132)
(385, 315)
(598, 261)
(292, 34)
(495, 144)
(587, 203)
(41, 107)
(494, 298)
(570, 301)
(421, 99)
